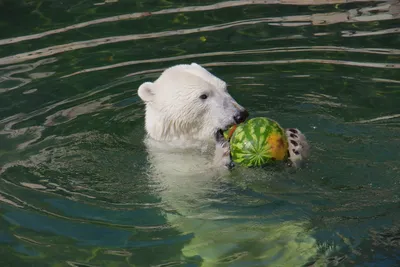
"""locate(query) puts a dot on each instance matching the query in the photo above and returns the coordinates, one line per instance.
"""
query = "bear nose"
(241, 116)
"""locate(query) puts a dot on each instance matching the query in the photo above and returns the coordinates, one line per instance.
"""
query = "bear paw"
(222, 155)
(298, 146)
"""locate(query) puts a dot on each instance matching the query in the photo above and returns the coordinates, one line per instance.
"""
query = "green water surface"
(74, 184)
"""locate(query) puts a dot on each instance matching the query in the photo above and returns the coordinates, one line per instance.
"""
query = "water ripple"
(74, 177)
(8, 72)
(321, 61)
(245, 52)
(221, 5)
(327, 18)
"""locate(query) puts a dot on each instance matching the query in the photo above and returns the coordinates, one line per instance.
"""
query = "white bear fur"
(187, 165)
(174, 110)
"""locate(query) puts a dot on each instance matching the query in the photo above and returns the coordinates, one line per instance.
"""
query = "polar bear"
(186, 110)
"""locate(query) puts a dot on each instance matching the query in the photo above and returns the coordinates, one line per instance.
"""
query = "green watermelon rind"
(243, 152)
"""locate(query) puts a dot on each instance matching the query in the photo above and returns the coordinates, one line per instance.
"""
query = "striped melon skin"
(257, 142)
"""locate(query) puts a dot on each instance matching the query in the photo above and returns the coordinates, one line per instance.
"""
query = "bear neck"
(162, 128)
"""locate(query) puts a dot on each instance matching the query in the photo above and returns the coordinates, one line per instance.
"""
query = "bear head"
(188, 102)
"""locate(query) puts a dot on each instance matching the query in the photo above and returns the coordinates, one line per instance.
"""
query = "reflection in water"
(8, 74)
(75, 181)
(380, 118)
(246, 52)
(322, 61)
(351, 16)
(385, 7)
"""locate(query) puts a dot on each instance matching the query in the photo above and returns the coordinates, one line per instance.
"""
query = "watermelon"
(257, 142)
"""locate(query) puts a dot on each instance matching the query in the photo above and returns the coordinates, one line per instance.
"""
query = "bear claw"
(222, 153)
(298, 146)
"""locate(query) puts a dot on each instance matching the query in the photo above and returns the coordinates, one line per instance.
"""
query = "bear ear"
(146, 91)
(195, 64)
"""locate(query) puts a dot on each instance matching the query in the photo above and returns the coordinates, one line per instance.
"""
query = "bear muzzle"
(241, 116)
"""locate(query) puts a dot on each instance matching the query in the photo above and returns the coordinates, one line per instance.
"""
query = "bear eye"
(203, 96)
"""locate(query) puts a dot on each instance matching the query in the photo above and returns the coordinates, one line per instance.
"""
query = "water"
(75, 188)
